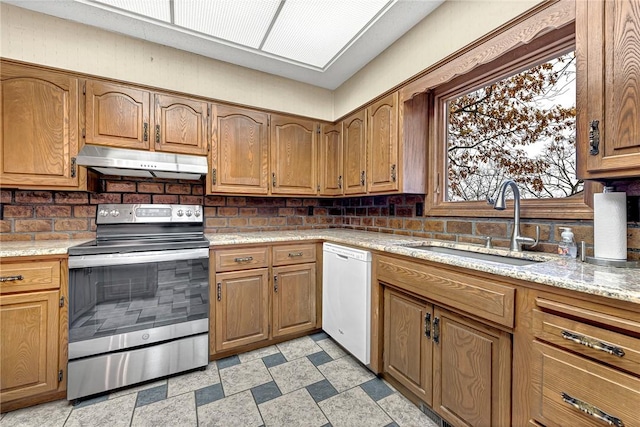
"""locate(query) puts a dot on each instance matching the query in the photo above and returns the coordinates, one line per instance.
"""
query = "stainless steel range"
(138, 297)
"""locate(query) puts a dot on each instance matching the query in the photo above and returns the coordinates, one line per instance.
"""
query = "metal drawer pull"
(436, 330)
(11, 278)
(592, 410)
(219, 291)
(427, 325)
(244, 259)
(275, 283)
(591, 343)
(294, 254)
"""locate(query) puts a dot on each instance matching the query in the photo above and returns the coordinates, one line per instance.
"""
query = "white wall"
(33, 37)
(452, 26)
(42, 39)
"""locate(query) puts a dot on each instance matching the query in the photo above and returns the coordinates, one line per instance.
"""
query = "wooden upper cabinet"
(330, 171)
(294, 152)
(608, 51)
(355, 153)
(117, 116)
(239, 155)
(180, 125)
(39, 128)
(382, 155)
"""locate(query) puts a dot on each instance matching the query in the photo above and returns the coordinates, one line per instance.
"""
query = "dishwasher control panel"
(345, 252)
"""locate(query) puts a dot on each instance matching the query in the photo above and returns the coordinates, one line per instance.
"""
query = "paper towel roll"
(610, 225)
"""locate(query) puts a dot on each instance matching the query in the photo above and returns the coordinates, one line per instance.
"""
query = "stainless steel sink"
(477, 255)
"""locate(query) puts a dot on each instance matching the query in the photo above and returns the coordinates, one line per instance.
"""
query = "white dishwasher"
(346, 298)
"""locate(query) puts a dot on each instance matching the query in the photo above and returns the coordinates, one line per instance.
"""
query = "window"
(511, 118)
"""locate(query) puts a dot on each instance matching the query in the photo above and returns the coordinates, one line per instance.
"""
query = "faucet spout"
(500, 204)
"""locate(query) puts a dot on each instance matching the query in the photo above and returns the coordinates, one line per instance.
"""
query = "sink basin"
(477, 255)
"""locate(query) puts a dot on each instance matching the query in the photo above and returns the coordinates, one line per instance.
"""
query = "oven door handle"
(108, 260)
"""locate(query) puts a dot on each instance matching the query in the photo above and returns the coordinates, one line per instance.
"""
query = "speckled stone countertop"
(616, 283)
(552, 270)
(38, 247)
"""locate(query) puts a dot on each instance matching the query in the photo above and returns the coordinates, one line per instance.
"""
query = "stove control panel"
(147, 213)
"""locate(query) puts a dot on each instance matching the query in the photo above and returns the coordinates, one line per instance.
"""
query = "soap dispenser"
(567, 246)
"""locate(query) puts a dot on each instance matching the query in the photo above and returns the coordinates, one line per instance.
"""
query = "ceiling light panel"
(315, 31)
(156, 9)
(243, 22)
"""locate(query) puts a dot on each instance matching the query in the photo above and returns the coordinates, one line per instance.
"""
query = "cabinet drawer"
(571, 390)
(241, 259)
(607, 346)
(461, 291)
(294, 254)
(29, 276)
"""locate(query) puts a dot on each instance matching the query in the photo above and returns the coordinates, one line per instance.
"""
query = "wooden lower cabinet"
(241, 308)
(29, 336)
(408, 350)
(294, 299)
(458, 366)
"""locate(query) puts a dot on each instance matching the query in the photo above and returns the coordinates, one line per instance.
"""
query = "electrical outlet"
(419, 209)
(392, 209)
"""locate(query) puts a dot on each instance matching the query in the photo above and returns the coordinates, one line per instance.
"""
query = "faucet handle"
(491, 201)
(535, 243)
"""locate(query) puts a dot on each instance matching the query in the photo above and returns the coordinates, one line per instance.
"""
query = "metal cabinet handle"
(11, 278)
(294, 254)
(589, 409)
(362, 178)
(591, 343)
(273, 179)
(214, 176)
(157, 134)
(393, 173)
(340, 182)
(244, 259)
(145, 132)
(436, 330)
(594, 137)
(275, 283)
(427, 325)
(219, 291)
(73, 167)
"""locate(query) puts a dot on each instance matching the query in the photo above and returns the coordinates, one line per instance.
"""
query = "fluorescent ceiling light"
(314, 32)
(239, 21)
(156, 9)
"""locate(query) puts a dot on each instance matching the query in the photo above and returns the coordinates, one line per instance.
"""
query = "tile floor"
(309, 381)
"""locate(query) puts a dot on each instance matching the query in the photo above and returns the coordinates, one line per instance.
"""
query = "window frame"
(522, 57)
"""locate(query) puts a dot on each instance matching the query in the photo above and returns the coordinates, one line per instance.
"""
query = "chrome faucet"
(500, 204)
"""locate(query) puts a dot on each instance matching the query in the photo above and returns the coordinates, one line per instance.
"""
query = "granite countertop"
(552, 270)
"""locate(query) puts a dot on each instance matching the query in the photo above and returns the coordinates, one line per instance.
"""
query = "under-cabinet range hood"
(148, 164)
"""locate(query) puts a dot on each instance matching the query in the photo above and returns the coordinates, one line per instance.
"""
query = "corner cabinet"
(355, 153)
(330, 169)
(39, 129)
(294, 156)
(607, 50)
(33, 347)
(239, 156)
(122, 116)
(382, 137)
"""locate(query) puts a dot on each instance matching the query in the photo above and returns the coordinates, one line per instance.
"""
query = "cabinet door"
(607, 47)
(294, 299)
(294, 151)
(471, 371)
(117, 116)
(180, 125)
(241, 308)
(39, 128)
(355, 153)
(28, 344)
(382, 144)
(407, 344)
(330, 161)
(239, 152)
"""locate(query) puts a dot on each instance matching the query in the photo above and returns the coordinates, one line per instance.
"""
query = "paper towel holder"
(612, 262)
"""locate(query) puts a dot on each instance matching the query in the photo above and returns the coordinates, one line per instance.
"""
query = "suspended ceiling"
(320, 42)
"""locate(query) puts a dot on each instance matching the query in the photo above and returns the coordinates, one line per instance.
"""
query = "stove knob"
(115, 213)
(103, 212)
(180, 212)
(197, 214)
(189, 213)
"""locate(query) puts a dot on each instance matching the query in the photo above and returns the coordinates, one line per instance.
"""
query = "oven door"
(119, 301)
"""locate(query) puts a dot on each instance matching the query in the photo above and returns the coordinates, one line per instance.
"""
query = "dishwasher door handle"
(342, 256)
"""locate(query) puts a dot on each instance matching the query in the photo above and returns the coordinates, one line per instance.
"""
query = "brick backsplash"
(40, 215)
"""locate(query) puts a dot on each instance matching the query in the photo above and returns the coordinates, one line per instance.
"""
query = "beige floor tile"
(237, 410)
(354, 408)
(293, 409)
(52, 414)
(193, 380)
(345, 373)
(175, 411)
(332, 349)
(244, 376)
(404, 413)
(258, 354)
(111, 413)
(297, 348)
(294, 375)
